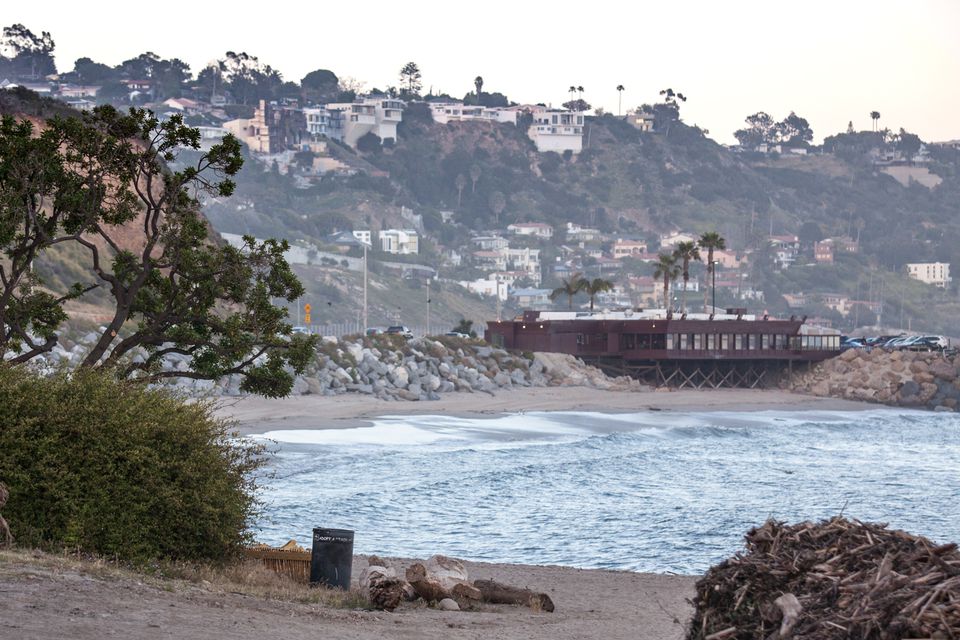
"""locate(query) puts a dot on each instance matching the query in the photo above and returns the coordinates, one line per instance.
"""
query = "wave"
(544, 428)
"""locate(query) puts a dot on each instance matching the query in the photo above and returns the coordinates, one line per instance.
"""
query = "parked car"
(303, 330)
(457, 334)
(399, 330)
(375, 331)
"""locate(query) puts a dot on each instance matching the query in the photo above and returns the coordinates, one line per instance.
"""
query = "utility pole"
(428, 307)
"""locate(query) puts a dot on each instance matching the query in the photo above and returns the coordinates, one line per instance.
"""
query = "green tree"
(620, 90)
(595, 287)
(761, 129)
(478, 83)
(569, 287)
(794, 131)
(667, 269)
(475, 173)
(465, 327)
(32, 55)
(320, 86)
(685, 253)
(102, 184)
(710, 241)
(875, 116)
(410, 76)
(87, 71)
(908, 144)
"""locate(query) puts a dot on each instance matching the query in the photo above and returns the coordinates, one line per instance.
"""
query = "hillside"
(628, 183)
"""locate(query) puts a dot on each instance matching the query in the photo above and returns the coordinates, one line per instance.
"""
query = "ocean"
(655, 491)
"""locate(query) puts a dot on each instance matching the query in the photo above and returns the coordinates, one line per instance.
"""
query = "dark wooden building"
(698, 351)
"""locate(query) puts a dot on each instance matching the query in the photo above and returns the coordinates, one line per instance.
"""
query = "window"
(580, 338)
(711, 341)
(670, 341)
(684, 341)
(738, 342)
(698, 341)
(724, 341)
(752, 342)
(765, 342)
(553, 120)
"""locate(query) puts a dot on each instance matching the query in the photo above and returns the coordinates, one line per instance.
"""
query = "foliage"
(792, 131)
(666, 268)
(595, 287)
(247, 79)
(410, 76)
(570, 287)
(369, 143)
(465, 327)
(93, 181)
(24, 54)
(321, 86)
(103, 466)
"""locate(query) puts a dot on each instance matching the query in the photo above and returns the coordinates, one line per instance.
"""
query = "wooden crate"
(295, 564)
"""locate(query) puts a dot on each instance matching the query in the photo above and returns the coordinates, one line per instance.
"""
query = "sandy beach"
(258, 415)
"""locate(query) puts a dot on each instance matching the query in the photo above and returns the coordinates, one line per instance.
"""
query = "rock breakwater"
(899, 378)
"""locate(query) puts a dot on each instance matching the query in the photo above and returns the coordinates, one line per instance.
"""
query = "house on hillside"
(537, 229)
(350, 121)
(577, 233)
(935, 273)
(538, 299)
(78, 91)
(557, 130)
(670, 241)
(399, 241)
(490, 243)
(444, 112)
(786, 249)
(624, 248)
(823, 252)
(641, 120)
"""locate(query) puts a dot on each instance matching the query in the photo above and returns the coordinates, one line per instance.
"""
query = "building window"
(738, 342)
(724, 341)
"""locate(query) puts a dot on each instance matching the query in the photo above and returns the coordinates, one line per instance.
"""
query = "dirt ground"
(46, 598)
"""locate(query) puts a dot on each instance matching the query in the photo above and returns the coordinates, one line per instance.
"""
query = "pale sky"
(830, 61)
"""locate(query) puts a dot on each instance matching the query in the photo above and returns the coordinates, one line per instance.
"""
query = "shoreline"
(255, 415)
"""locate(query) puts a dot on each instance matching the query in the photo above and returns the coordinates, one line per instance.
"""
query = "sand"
(43, 602)
(259, 415)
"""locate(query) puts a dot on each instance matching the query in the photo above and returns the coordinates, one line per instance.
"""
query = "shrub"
(109, 467)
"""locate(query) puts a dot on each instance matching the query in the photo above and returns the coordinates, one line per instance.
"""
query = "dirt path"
(42, 601)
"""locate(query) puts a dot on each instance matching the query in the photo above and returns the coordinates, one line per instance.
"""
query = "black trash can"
(331, 561)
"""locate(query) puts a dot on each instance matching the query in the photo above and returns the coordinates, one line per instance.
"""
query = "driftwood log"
(7, 539)
(497, 593)
(384, 589)
(440, 578)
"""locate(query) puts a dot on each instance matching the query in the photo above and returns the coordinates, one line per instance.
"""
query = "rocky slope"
(392, 368)
(899, 378)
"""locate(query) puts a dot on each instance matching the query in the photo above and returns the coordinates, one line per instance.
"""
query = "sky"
(831, 62)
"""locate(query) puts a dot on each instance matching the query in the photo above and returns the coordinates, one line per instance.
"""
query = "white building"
(363, 236)
(641, 120)
(490, 243)
(402, 241)
(444, 112)
(577, 233)
(523, 262)
(538, 229)
(557, 130)
(350, 121)
(318, 121)
(935, 273)
(495, 284)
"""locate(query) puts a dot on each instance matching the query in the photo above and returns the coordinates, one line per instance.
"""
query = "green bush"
(109, 467)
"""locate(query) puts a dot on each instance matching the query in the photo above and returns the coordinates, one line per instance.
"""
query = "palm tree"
(580, 91)
(711, 241)
(497, 204)
(595, 286)
(620, 89)
(875, 116)
(460, 182)
(685, 253)
(569, 288)
(572, 91)
(475, 172)
(668, 270)
(478, 83)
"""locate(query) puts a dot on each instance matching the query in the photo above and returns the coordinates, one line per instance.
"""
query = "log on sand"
(497, 593)
(441, 577)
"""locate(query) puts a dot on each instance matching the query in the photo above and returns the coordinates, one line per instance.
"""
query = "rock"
(943, 409)
(849, 354)
(448, 604)
(943, 369)
(927, 391)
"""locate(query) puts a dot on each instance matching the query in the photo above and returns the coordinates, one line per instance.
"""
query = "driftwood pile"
(444, 582)
(835, 579)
